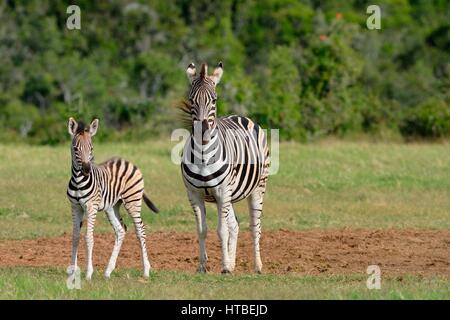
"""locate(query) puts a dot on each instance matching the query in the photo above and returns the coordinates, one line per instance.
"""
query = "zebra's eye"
(214, 101)
(191, 101)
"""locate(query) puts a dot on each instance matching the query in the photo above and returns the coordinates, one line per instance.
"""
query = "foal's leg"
(118, 216)
(120, 235)
(91, 215)
(134, 210)
(77, 217)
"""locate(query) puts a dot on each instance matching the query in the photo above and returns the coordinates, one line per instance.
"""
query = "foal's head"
(82, 149)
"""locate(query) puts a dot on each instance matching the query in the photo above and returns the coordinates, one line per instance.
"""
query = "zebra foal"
(106, 186)
(225, 160)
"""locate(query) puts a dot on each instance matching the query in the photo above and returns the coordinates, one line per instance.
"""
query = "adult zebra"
(106, 186)
(224, 160)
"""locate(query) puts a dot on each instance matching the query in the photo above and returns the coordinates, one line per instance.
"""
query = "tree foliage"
(310, 68)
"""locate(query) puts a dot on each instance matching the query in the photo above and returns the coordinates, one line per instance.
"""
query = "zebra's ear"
(190, 71)
(93, 127)
(217, 75)
(72, 126)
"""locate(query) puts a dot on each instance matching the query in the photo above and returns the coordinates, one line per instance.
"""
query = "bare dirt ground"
(326, 252)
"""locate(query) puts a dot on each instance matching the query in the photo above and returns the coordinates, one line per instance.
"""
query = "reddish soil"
(327, 252)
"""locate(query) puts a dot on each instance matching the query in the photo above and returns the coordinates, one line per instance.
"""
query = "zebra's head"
(203, 97)
(82, 148)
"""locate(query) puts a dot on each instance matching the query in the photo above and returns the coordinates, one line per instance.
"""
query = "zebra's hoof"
(226, 271)
(202, 269)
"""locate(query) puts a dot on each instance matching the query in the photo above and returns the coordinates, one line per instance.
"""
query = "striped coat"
(103, 187)
(225, 160)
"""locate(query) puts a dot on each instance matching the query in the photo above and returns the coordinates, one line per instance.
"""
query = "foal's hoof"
(225, 271)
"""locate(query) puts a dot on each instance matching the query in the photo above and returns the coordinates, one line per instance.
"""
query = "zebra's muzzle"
(205, 132)
(203, 128)
(85, 168)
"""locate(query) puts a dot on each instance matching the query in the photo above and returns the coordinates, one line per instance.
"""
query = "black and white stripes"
(106, 186)
(225, 160)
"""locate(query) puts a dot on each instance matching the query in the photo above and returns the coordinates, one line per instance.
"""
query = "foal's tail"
(149, 203)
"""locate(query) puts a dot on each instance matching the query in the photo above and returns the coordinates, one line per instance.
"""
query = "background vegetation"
(309, 67)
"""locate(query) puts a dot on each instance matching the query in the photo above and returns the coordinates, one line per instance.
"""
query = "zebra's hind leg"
(134, 210)
(198, 206)
(117, 212)
(233, 230)
(255, 204)
(120, 235)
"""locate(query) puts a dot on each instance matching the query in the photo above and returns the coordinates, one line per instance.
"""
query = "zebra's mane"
(184, 114)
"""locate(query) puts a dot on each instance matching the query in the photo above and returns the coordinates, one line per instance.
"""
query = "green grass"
(327, 185)
(32, 283)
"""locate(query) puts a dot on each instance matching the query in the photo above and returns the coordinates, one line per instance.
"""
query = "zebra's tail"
(149, 203)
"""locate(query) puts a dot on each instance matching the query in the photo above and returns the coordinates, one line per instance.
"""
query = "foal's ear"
(72, 126)
(93, 127)
(191, 72)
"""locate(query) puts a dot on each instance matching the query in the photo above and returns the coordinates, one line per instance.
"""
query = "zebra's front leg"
(255, 204)
(120, 235)
(233, 230)
(198, 206)
(224, 234)
(77, 217)
(91, 215)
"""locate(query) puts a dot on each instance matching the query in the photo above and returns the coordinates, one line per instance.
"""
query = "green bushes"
(429, 119)
(308, 68)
